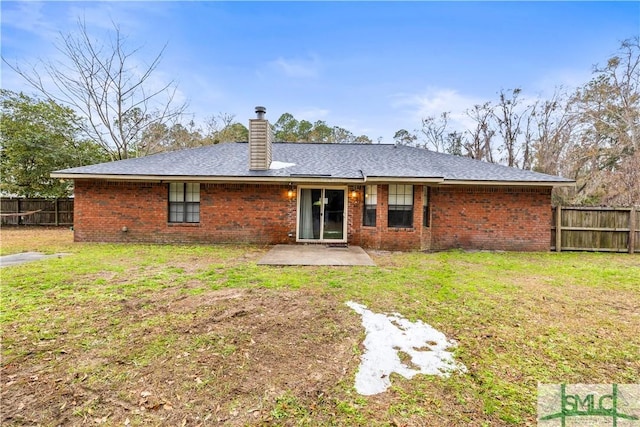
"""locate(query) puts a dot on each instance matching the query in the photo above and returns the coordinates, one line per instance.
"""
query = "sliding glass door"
(321, 214)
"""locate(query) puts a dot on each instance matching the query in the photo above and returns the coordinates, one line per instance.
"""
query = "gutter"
(205, 179)
(410, 179)
(512, 183)
(301, 179)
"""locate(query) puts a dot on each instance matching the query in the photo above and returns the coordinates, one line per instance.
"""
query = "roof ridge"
(332, 143)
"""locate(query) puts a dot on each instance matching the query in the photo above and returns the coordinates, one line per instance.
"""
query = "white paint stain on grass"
(388, 335)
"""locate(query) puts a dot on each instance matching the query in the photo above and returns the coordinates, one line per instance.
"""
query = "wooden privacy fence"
(599, 229)
(20, 211)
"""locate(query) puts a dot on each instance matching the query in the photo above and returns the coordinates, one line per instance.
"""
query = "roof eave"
(208, 178)
(409, 179)
(304, 179)
(510, 183)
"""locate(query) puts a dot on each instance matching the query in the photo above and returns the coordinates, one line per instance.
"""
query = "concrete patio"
(316, 255)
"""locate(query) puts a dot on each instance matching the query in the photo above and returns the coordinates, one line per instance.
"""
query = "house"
(373, 195)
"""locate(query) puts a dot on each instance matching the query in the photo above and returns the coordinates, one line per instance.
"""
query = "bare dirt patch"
(198, 335)
(231, 356)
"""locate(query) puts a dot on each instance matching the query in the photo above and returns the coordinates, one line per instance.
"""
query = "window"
(425, 206)
(370, 202)
(184, 202)
(400, 206)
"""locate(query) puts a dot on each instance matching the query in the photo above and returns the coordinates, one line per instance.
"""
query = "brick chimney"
(260, 140)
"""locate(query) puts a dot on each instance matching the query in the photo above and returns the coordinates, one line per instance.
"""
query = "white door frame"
(345, 191)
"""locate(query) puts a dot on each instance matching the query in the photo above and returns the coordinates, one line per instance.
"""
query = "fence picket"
(597, 229)
(41, 211)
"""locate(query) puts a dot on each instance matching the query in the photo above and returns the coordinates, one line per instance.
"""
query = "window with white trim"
(184, 202)
(400, 214)
(370, 203)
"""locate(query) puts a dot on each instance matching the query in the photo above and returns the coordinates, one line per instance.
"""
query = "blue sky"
(370, 67)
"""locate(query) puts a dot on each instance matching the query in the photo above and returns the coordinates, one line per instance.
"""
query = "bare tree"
(478, 145)
(530, 136)
(454, 143)
(108, 86)
(553, 124)
(621, 77)
(610, 103)
(628, 180)
(509, 124)
(434, 131)
(607, 111)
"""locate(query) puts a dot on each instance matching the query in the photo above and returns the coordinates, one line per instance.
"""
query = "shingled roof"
(303, 162)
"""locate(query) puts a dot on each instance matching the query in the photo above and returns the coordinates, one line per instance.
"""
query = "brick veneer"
(228, 213)
(382, 236)
(471, 217)
(494, 218)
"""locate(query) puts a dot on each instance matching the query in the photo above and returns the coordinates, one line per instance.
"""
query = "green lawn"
(186, 335)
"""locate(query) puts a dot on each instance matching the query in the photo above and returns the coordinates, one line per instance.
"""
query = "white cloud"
(297, 67)
(311, 114)
(28, 16)
(130, 17)
(100, 16)
(47, 19)
(435, 101)
(565, 79)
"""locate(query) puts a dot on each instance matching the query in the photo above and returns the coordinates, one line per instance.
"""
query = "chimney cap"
(261, 111)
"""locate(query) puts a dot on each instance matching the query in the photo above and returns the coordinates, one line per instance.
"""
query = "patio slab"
(316, 255)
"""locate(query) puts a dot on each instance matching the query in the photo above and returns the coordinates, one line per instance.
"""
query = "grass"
(161, 334)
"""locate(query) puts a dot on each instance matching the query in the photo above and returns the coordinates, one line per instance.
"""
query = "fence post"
(558, 228)
(18, 211)
(56, 212)
(632, 229)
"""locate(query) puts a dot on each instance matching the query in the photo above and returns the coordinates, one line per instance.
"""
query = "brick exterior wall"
(473, 217)
(229, 213)
(384, 237)
(493, 218)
